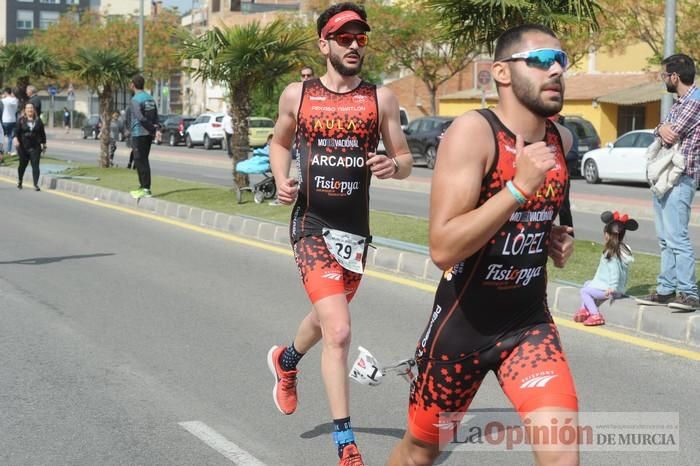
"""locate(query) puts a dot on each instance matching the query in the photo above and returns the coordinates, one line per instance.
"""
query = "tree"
(23, 62)
(244, 58)
(482, 21)
(399, 32)
(104, 71)
(625, 22)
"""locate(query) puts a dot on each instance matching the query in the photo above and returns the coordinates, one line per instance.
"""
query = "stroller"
(259, 163)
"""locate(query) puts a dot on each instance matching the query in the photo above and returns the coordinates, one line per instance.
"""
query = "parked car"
(159, 134)
(403, 118)
(259, 128)
(422, 138)
(622, 160)
(588, 139)
(92, 127)
(206, 130)
(173, 129)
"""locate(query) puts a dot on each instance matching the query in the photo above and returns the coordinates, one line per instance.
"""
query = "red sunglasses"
(345, 39)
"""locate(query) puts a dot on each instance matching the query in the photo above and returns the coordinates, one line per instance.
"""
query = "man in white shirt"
(9, 117)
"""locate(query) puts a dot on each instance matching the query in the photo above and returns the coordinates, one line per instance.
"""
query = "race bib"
(348, 249)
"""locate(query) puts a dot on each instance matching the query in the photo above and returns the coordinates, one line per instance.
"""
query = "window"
(215, 5)
(72, 2)
(644, 140)
(47, 18)
(25, 19)
(626, 141)
(25, 1)
(50, 2)
(630, 118)
(235, 5)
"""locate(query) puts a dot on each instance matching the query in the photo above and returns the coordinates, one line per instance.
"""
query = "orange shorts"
(321, 274)
(529, 364)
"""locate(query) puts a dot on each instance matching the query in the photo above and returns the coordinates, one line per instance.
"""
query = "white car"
(207, 130)
(622, 160)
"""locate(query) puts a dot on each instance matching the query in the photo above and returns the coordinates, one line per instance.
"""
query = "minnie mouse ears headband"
(628, 223)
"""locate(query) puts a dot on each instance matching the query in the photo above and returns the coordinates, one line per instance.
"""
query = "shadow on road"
(51, 260)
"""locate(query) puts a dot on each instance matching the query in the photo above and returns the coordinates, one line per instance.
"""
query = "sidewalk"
(644, 321)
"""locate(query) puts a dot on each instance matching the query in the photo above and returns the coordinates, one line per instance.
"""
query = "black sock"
(342, 434)
(290, 358)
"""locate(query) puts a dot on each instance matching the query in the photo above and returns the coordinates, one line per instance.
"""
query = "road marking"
(618, 336)
(218, 442)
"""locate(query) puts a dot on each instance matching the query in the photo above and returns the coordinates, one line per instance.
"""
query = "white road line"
(220, 443)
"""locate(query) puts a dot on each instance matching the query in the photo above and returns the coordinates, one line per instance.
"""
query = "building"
(20, 17)
(195, 97)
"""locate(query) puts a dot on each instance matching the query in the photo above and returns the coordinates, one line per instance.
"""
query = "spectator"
(66, 119)
(675, 284)
(115, 128)
(307, 73)
(34, 99)
(610, 280)
(31, 142)
(9, 116)
(144, 124)
(228, 132)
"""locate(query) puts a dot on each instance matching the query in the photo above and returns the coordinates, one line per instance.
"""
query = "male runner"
(335, 122)
(492, 204)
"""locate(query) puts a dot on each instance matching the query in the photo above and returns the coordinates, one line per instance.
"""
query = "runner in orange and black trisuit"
(492, 207)
(335, 123)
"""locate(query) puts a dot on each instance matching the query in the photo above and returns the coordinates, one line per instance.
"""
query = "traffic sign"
(52, 90)
(165, 91)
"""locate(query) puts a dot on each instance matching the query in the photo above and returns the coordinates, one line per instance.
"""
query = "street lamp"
(140, 63)
(669, 49)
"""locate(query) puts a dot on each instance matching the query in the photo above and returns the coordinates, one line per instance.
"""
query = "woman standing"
(30, 140)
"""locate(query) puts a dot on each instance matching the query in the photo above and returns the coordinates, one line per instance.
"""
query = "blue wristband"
(516, 193)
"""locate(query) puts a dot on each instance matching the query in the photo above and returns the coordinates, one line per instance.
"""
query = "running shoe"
(147, 193)
(137, 193)
(351, 456)
(285, 391)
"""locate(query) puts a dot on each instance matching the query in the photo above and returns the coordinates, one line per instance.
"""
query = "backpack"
(150, 113)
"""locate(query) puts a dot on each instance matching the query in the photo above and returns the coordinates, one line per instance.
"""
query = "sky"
(183, 5)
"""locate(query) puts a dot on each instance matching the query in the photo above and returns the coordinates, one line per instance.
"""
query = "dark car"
(422, 136)
(92, 127)
(588, 139)
(173, 129)
(161, 121)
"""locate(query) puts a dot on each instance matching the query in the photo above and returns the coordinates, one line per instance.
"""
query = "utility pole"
(669, 49)
(140, 64)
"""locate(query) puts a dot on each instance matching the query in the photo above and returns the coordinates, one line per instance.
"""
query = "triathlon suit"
(335, 132)
(490, 311)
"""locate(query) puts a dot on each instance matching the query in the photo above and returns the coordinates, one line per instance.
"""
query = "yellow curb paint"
(637, 341)
(415, 284)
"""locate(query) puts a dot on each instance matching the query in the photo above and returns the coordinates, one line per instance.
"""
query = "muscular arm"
(281, 143)
(458, 228)
(392, 134)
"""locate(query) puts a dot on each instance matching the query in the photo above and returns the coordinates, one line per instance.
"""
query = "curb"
(644, 321)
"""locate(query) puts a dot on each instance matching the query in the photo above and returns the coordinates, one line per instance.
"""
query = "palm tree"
(23, 62)
(103, 71)
(482, 21)
(244, 58)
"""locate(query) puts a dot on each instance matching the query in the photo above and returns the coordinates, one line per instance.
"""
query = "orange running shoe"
(285, 391)
(351, 456)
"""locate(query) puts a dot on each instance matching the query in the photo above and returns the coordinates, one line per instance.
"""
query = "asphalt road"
(119, 330)
(214, 167)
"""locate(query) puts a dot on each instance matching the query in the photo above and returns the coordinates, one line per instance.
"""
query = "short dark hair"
(334, 10)
(511, 38)
(138, 82)
(307, 67)
(682, 65)
(7, 90)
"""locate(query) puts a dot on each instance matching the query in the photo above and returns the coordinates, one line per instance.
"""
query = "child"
(610, 279)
